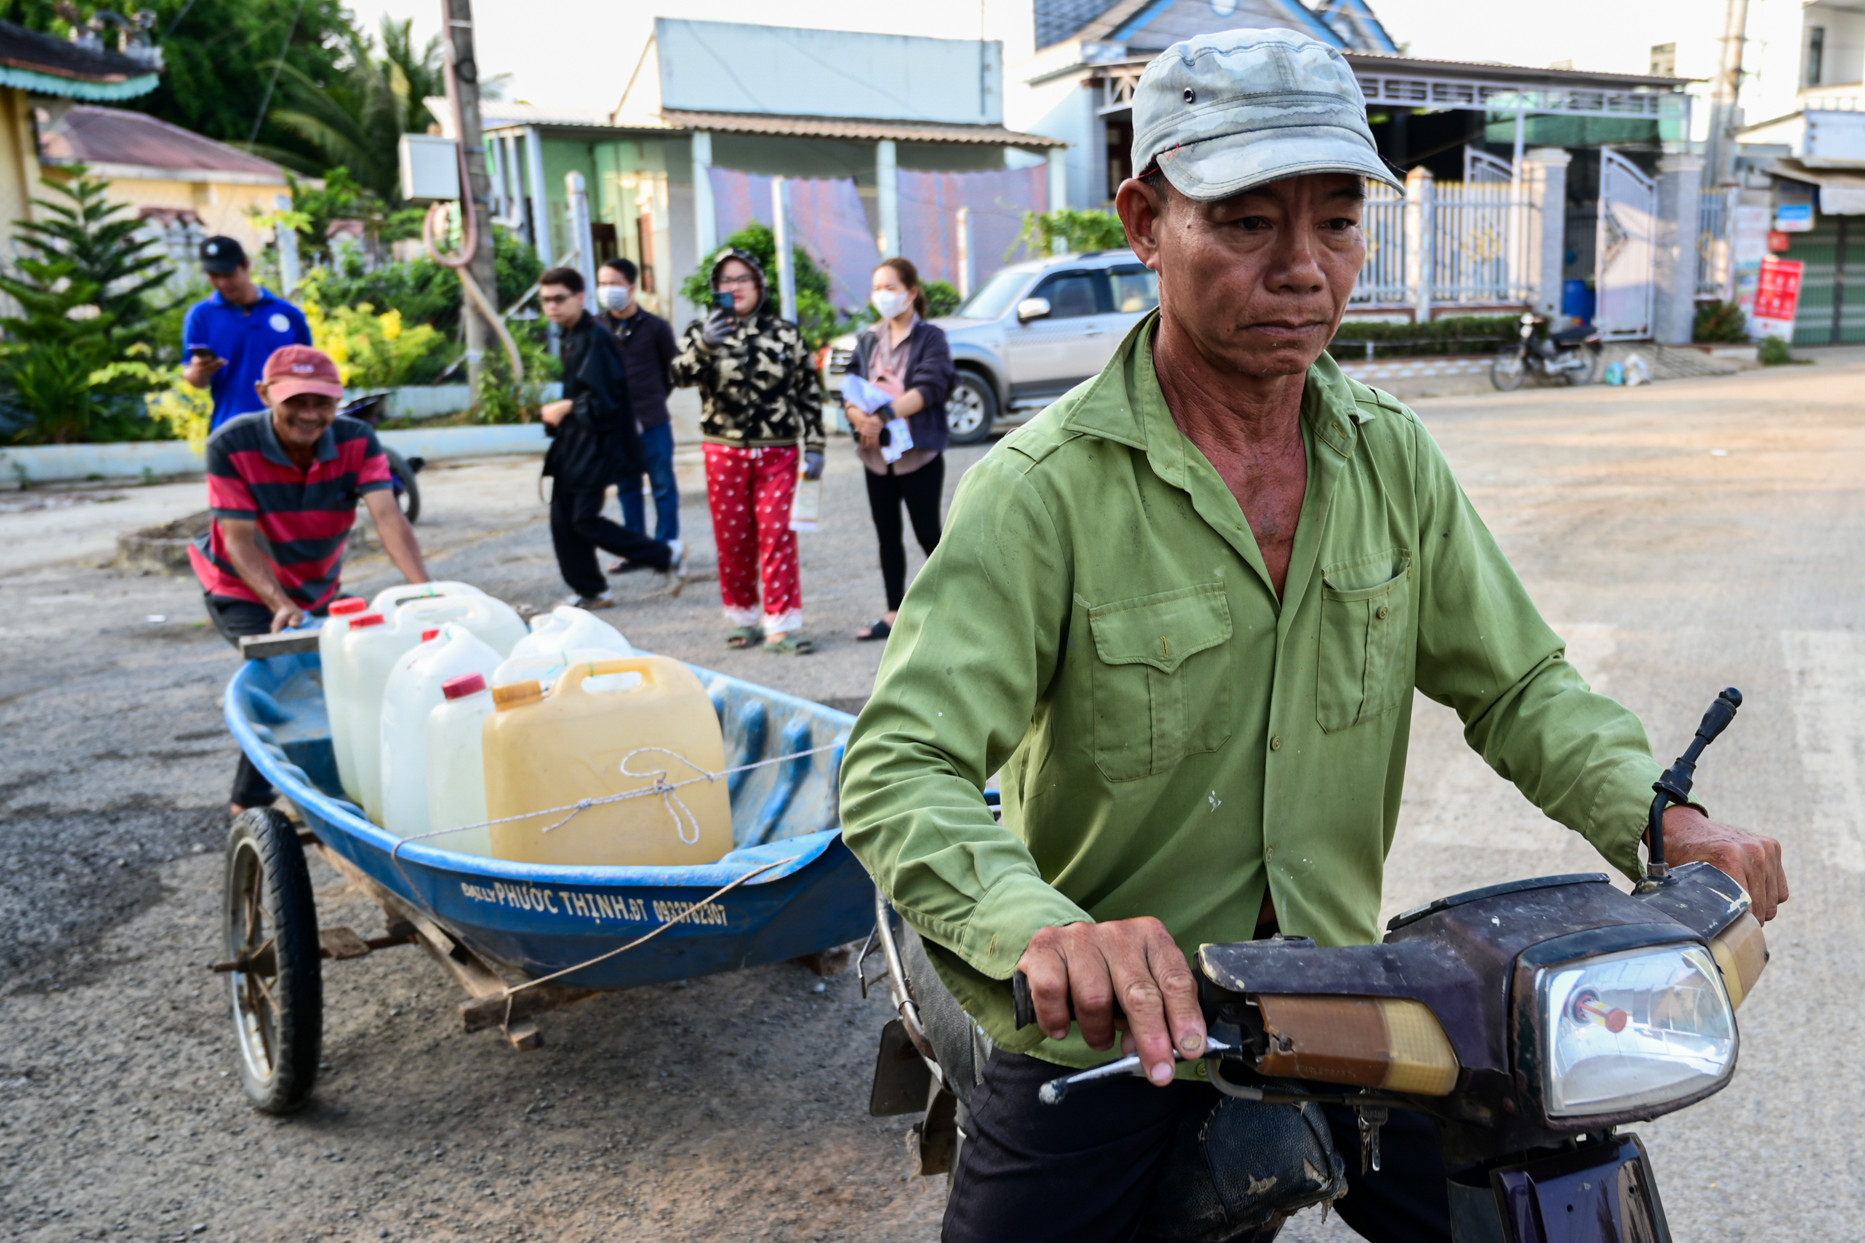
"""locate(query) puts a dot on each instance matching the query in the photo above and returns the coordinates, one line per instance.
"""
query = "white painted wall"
(776, 70)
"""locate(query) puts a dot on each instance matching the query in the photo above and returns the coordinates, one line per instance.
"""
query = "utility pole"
(463, 93)
(1724, 94)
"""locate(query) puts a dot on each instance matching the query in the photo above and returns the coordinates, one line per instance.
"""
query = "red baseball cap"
(295, 369)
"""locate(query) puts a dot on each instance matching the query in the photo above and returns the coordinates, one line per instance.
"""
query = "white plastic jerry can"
(370, 651)
(495, 622)
(413, 690)
(391, 598)
(329, 648)
(567, 627)
(456, 765)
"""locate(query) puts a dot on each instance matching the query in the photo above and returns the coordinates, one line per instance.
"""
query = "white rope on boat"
(675, 807)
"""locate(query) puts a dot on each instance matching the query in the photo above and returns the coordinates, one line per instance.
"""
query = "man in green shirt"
(1184, 611)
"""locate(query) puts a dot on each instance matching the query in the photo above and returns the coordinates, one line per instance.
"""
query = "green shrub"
(425, 292)
(1457, 334)
(941, 299)
(1718, 322)
(1775, 352)
(1069, 230)
(501, 401)
(82, 286)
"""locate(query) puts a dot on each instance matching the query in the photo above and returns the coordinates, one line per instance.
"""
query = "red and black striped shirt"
(304, 515)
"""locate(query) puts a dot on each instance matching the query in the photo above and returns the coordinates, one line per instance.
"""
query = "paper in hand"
(898, 440)
(863, 395)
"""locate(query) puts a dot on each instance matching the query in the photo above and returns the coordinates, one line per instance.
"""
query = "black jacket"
(597, 444)
(929, 369)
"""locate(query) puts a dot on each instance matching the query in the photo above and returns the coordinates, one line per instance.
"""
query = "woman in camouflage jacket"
(762, 409)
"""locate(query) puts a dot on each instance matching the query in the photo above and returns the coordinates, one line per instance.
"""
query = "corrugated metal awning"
(1842, 193)
(856, 128)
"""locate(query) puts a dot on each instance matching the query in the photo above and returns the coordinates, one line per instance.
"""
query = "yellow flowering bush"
(371, 350)
(187, 412)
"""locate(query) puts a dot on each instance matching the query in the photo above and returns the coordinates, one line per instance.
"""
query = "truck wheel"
(971, 409)
(277, 979)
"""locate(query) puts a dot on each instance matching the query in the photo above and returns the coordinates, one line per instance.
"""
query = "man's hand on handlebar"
(1127, 975)
(1753, 861)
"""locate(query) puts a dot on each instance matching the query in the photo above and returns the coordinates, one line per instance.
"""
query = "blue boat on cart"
(521, 938)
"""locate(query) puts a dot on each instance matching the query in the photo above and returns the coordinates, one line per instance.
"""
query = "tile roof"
(88, 134)
(39, 52)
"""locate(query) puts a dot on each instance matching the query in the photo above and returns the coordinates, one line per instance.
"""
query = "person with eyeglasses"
(762, 412)
(593, 442)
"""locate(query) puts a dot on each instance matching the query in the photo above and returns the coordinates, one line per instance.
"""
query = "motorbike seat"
(1574, 335)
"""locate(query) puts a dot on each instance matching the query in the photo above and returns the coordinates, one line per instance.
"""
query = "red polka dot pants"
(750, 492)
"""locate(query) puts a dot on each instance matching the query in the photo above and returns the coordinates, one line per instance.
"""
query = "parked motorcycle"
(1529, 1021)
(1572, 354)
(372, 410)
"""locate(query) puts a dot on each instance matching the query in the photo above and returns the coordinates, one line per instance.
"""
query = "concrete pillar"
(1420, 230)
(1674, 274)
(1544, 180)
(290, 272)
(1058, 178)
(540, 198)
(780, 235)
(963, 276)
(705, 218)
(576, 193)
(887, 196)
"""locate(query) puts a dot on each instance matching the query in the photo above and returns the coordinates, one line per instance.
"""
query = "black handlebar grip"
(1717, 719)
(1021, 999)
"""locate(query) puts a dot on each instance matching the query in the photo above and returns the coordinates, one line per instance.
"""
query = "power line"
(278, 65)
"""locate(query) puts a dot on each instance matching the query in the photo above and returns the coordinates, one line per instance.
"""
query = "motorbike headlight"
(1633, 1029)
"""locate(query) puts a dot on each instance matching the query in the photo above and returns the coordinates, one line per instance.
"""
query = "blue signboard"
(1793, 218)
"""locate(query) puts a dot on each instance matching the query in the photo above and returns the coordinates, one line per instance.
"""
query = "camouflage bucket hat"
(1226, 112)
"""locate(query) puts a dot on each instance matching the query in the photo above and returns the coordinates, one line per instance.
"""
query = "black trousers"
(1082, 1171)
(578, 529)
(920, 492)
(235, 618)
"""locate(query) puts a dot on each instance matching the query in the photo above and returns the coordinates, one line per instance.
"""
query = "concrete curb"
(153, 459)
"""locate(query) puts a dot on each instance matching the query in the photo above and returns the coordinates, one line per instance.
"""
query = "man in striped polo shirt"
(283, 485)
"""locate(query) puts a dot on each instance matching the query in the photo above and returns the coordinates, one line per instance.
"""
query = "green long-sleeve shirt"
(1098, 622)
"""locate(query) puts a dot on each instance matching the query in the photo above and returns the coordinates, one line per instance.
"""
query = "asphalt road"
(1682, 537)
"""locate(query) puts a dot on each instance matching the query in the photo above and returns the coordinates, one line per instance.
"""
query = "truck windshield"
(996, 297)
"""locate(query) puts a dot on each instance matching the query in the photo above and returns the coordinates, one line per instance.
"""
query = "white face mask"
(889, 303)
(614, 297)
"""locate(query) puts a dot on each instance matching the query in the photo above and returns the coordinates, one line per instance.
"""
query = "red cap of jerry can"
(367, 619)
(429, 634)
(347, 605)
(463, 685)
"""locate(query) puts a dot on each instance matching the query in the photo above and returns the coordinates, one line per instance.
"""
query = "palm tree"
(356, 119)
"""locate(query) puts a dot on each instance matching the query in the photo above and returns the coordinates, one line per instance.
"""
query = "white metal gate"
(1382, 279)
(1623, 254)
(1482, 167)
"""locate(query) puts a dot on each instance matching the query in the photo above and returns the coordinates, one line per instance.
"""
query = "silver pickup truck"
(1031, 333)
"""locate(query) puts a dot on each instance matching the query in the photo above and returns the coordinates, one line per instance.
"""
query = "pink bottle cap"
(348, 605)
(367, 619)
(463, 685)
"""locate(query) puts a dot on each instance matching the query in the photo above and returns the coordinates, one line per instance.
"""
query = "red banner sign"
(1777, 295)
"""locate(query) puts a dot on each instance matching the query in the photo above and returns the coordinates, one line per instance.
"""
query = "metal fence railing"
(1712, 244)
(1383, 219)
(1480, 233)
(1469, 242)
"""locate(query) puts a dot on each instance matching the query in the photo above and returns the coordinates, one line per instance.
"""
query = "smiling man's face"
(1258, 281)
(301, 419)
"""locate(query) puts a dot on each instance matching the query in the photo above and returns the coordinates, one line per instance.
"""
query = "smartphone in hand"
(201, 354)
(722, 301)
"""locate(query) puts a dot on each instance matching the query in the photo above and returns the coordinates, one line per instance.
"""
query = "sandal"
(789, 645)
(876, 630)
(743, 637)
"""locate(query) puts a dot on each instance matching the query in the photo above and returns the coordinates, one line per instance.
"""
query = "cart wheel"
(278, 991)
(407, 491)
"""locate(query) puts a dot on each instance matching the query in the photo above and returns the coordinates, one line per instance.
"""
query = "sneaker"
(603, 601)
(675, 573)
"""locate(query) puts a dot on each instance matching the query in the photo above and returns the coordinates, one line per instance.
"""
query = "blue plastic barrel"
(1577, 300)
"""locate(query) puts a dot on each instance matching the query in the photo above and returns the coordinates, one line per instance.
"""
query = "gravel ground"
(734, 1107)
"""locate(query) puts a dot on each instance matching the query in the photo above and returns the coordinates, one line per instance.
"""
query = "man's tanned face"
(1258, 281)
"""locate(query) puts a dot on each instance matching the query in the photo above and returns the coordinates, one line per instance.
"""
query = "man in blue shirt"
(228, 337)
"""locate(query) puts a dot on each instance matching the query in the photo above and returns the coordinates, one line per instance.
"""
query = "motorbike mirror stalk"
(1674, 785)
